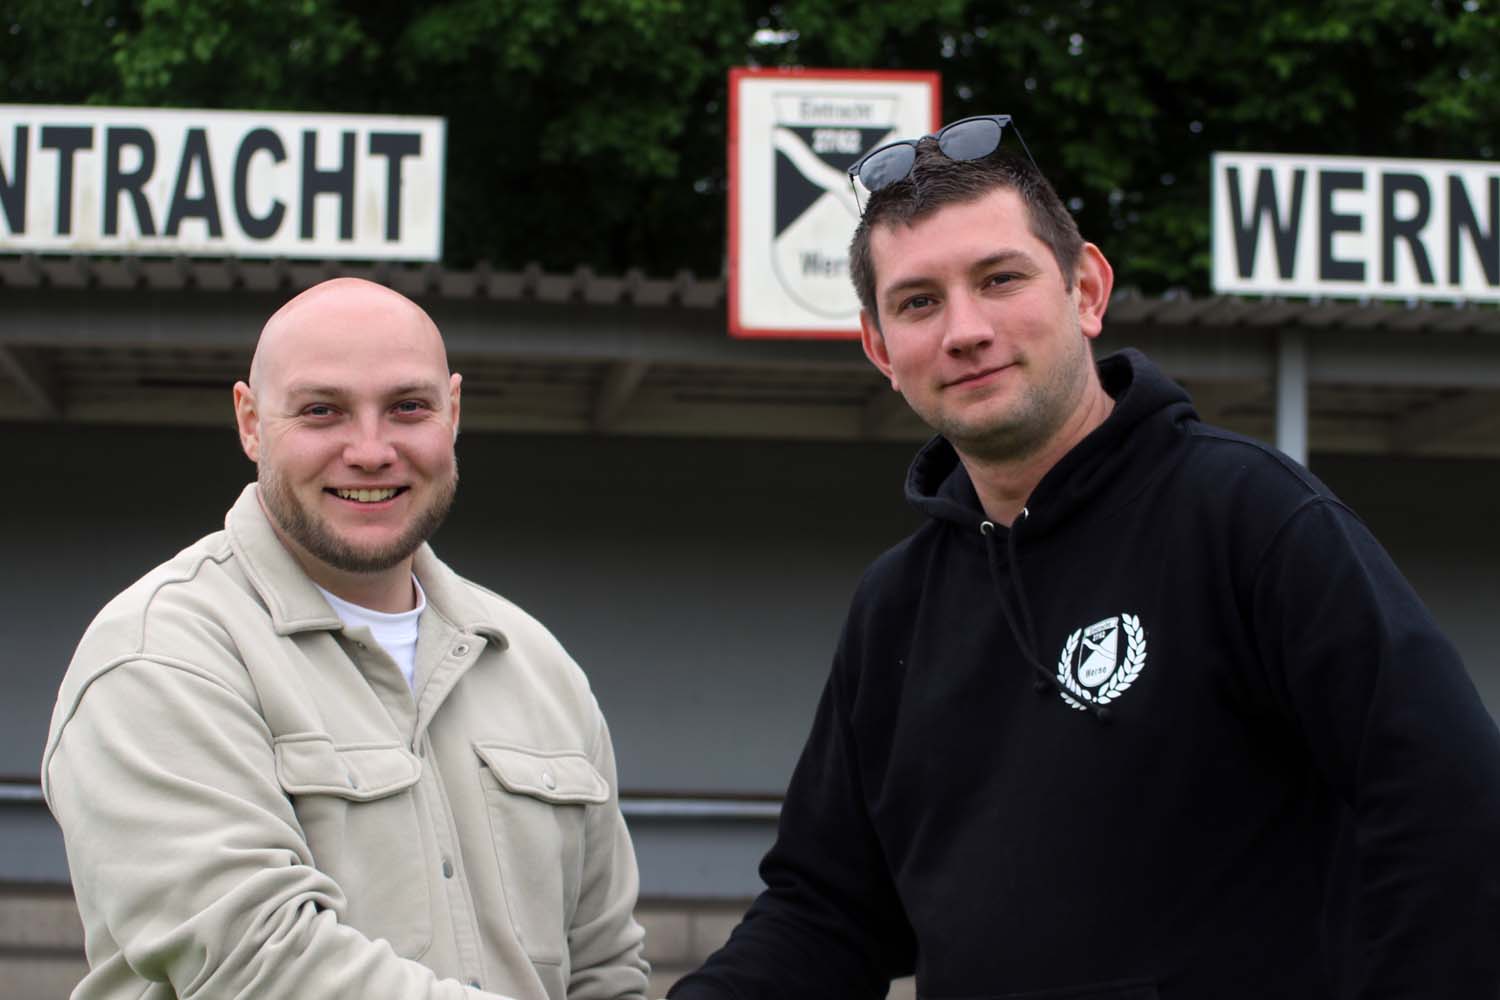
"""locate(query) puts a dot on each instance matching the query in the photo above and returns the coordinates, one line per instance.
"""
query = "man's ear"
(455, 385)
(873, 341)
(247, 420)
(1094, 283)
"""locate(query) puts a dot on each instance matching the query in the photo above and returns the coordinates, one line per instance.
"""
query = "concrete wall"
(701, 583)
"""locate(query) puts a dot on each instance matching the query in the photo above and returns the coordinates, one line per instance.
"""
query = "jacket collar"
(294, 602)
(453, 597)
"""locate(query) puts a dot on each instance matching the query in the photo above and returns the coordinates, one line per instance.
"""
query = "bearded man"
(305, 758)
(1142, 711)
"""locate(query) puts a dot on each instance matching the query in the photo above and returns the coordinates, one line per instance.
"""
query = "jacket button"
(549, 781)
(447, 868)
(461, 649)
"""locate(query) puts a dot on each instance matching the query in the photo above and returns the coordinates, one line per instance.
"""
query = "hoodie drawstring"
(1045, 680)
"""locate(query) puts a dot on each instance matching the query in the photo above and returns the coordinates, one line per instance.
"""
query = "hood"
(1107, 468)
(1148, 412)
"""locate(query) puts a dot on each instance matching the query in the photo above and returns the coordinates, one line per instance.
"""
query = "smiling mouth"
(976, 376)
(367, 495)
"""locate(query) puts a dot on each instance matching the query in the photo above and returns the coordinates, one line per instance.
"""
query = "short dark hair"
(936, 182)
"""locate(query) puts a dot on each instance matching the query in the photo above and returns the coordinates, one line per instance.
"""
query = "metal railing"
(634, 806)
(14, 791)
(689, 807)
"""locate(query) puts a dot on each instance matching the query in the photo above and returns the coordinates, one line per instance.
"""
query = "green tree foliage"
(592, 132)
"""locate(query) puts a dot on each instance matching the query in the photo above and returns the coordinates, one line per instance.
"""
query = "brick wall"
(680, 935)
(41, 941)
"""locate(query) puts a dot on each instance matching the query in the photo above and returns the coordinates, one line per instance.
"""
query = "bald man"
(303, 758)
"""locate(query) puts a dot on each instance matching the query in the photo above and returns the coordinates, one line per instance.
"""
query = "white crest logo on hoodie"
(1091, 668)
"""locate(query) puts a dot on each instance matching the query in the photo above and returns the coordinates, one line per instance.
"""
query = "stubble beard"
(1026, 426)
(313, 534)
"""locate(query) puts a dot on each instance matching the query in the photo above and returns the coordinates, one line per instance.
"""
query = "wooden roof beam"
(35, 378)
(616, 391)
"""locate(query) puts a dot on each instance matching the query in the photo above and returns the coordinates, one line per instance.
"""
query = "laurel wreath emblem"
(1076, 695)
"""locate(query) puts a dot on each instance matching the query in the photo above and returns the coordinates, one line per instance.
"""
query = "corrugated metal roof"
(96, 340)
(686, 290)
(531, 283)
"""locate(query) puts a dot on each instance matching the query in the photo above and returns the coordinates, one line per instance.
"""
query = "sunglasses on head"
(966, 139)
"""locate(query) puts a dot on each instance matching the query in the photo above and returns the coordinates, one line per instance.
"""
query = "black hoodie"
(1182, 731)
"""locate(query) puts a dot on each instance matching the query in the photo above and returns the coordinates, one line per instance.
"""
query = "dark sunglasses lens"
(971, 140)
(886, 166)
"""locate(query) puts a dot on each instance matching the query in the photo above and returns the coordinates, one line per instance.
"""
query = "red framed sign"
(793, 133)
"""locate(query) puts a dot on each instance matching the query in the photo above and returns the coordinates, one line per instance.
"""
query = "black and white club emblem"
(1100, 662)
(815, 208)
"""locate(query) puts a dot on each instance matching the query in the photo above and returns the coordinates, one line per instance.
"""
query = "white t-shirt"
(396, 633)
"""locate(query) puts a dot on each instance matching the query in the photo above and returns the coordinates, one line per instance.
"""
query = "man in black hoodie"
(1142, 710)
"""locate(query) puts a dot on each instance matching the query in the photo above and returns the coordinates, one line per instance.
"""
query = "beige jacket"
(256, 805)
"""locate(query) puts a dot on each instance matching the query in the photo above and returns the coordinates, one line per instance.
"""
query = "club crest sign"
(1099, 663)
(812, 200)
(793, 137)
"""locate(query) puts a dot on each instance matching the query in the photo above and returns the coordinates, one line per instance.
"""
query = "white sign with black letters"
(1347, 226)
(220, 183)
(793, 137)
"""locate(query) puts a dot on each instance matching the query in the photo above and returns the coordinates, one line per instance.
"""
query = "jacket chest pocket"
(358, 810)
(537, 802)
